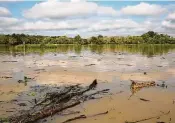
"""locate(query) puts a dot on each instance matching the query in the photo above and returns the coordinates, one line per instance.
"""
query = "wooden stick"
(84, 116)
(75, 118)
(148, 118)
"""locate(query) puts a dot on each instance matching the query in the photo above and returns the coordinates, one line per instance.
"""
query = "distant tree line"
(147, 38)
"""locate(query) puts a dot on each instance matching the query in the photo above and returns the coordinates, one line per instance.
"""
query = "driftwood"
(75, 118)
(144, 99)
(9, 61)
(89, 64)
(137, 86)
(126, 64)
(148, 118)
(84, 116)
(142, 84)
(6, 77)
(163, 85)
(56, 102)
(39, 70)
(99, 114)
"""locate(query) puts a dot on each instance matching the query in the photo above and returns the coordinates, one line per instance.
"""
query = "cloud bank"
(144, 9)
(55, 9)
(88, 18)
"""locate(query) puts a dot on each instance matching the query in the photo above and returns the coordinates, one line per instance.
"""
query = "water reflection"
(147, 50)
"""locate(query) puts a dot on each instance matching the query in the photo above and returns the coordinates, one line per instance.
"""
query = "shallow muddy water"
(112, 65)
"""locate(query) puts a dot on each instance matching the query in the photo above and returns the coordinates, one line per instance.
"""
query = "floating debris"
(137, 86)
(145, 73)
(163, 85)
(6, 77)
(22, 104)
(142, 84)
(126, 64)
(39, 70)
(84, 116)
(144, 99)
(89, 64)
(159, 66)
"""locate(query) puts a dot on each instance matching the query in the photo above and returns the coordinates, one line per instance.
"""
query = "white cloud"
(168, 24)
(104, 25)
(171, 16)
(144, 9)
(8, 21)
(4, 12)
(85, 25)
(55, 9)
(88, 26)
(43, 25)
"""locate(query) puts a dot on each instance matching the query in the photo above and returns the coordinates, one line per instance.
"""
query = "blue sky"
(87, 18)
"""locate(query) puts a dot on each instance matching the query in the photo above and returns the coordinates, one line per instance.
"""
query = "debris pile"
(55, 102)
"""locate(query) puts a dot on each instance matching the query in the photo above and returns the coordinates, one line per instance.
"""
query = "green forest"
(146, 38)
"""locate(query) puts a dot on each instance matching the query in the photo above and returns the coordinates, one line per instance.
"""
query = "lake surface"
(112, 65)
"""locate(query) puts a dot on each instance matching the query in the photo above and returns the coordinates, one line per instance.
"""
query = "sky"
(86, 18)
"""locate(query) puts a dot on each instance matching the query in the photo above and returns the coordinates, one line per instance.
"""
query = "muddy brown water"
(112, 65)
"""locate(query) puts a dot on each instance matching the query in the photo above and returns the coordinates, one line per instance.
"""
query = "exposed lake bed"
(112, 66)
